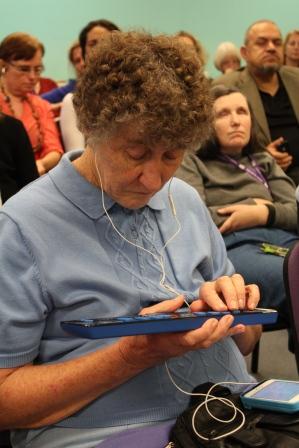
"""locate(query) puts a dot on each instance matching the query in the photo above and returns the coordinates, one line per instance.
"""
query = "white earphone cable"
(160, 260)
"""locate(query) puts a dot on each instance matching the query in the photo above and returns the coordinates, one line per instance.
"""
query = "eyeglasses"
(27, 69)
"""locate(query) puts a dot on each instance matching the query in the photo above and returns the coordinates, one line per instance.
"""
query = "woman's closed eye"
(137, 153)
(222, 113)
(242, 111)
(172, 155)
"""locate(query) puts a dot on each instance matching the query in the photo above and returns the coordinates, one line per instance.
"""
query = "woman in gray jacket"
(250, 198)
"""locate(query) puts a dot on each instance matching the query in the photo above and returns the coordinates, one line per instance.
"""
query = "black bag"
(261, 429)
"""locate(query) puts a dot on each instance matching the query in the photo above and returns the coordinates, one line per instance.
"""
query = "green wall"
(57, 22)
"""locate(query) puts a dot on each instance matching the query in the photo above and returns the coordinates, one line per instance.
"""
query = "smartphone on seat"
(273, 395)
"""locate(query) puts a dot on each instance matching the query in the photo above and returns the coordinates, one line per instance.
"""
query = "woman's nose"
(235, 119)
(151, 176)
(33, 76)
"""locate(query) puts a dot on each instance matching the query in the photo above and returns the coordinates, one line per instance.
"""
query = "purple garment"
(156, 436)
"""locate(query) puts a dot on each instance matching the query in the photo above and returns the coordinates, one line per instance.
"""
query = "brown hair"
(211, 148)
(152, 83)
(287, 38)
(103, 23)
(72, 49)
(18, 46)
(198, 47)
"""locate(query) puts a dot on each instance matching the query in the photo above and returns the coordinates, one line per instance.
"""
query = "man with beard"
(273, 92)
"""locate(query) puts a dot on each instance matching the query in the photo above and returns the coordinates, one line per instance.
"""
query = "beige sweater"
(220, 184)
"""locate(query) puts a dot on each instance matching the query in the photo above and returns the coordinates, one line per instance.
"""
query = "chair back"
(291, 281)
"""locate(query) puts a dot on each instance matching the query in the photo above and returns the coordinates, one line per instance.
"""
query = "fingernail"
(228, 319)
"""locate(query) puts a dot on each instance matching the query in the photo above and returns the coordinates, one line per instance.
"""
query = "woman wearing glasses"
(21, 67)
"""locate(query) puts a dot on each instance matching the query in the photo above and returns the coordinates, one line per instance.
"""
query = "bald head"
(257, 23)
(262, 49)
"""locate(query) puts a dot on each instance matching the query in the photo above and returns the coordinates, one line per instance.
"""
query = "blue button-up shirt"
(61, 259)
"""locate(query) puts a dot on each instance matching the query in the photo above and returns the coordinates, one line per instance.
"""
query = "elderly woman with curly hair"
(106, 233)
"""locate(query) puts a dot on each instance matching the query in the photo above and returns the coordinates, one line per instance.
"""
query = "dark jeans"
(266, 270)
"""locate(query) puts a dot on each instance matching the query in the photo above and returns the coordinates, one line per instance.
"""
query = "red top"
(51, 141)
(46, 85)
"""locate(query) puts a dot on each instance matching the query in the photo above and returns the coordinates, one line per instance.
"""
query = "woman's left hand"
(243, 216)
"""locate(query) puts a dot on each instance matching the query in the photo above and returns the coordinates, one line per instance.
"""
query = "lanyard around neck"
(254, 170)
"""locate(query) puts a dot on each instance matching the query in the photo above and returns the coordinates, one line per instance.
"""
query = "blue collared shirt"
(61, 259)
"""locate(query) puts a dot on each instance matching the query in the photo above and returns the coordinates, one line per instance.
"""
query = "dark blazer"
(242, 80)
(17, 164)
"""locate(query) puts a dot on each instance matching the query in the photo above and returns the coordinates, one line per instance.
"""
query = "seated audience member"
(189, 39)
(76, 59)
(291, 49)
(250, 198)
(17, 166)
(102, 243)
(43, 84)
(89, 37)
(227, 57)
(21, 66)
(272, 90)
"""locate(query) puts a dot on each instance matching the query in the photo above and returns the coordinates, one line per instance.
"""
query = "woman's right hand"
(243, 216)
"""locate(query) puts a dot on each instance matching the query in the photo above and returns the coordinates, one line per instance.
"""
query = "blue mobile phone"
(274, 395)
